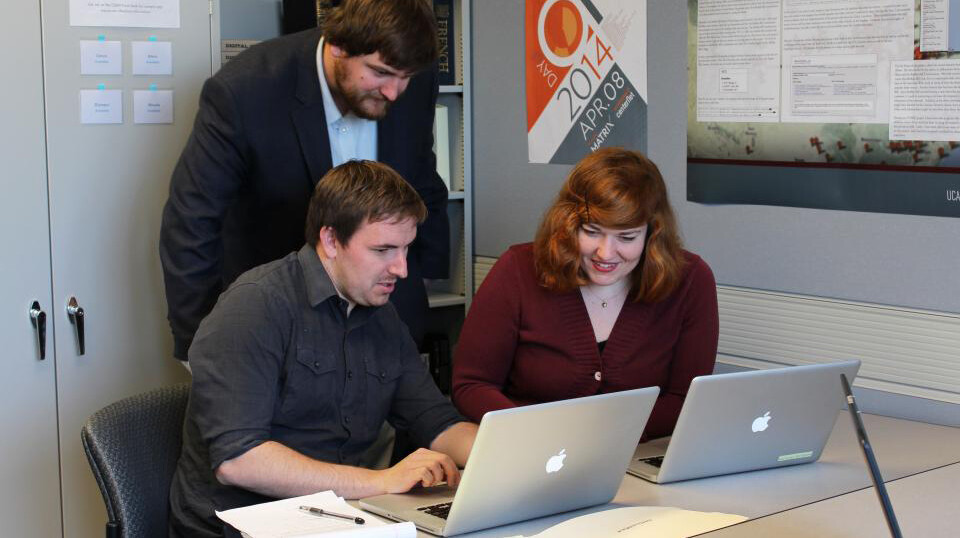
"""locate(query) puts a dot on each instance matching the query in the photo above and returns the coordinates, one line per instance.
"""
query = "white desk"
(902, 447)
(927, 505)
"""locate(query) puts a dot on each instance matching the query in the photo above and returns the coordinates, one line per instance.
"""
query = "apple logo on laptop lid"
(555, 463)
(760, 423)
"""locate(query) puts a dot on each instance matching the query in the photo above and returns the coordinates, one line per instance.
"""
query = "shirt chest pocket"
(382, 375)
(311, 390)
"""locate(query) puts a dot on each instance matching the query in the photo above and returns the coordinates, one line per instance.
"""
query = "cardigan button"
(597, 376)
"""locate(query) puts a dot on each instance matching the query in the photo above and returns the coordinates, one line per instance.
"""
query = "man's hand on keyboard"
(424, 467)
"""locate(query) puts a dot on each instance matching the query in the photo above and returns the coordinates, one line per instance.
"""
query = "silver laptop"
(532, 461)
(745, 421)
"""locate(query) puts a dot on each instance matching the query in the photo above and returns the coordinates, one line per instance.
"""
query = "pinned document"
(285, 518)
(153, 105)
(101, 57)
(101, 106)
(152, 57)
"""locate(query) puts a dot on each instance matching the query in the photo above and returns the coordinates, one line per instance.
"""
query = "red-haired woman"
(605, 299)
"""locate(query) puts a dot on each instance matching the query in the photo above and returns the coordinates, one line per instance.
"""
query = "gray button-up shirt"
(278, 359)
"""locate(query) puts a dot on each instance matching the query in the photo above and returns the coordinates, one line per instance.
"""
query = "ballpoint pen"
(321, 512)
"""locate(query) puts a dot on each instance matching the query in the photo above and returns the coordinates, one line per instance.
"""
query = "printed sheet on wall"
(831, 104)
(586, 77)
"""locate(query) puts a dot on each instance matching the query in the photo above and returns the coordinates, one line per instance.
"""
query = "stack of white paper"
(639, 522)
(441, 142)
(284, 519)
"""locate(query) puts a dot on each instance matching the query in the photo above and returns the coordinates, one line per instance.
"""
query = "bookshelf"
(456, 292)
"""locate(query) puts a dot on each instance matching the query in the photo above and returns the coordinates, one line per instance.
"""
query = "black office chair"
(133, 446)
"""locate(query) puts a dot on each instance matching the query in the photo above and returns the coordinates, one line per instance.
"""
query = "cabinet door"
(29, 470)
(108, 184)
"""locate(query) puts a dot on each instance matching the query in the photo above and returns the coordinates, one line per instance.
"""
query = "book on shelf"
(441, 142)
(304, 14)
(446, 62)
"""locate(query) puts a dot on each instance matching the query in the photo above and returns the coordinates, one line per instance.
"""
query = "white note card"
(152, 57)
(101, 106)
(153, 106)
(101, 58)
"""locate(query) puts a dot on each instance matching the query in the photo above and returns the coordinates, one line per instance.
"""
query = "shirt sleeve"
(418, 407)
(695, 352)
(205, 182)
(237, 361)
(488, 342)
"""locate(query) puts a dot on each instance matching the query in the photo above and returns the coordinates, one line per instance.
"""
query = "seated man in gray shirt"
(302, 359)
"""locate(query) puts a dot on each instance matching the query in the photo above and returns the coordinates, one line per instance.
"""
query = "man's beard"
(355, 99)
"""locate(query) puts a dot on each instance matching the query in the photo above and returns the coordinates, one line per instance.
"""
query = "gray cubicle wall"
(880, 259)
(876, 258)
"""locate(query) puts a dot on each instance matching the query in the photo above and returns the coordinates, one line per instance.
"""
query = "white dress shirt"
(351, 137)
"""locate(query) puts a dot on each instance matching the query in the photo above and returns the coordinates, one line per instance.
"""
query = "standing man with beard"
(273, 121)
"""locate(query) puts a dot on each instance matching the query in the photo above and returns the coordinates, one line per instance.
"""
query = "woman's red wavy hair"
(614, 188)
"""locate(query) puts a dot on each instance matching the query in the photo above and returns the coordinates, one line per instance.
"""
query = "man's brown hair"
(357, 192)
(404, 32)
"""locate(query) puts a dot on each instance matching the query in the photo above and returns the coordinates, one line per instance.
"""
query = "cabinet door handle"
(75, 313)
(39, 319)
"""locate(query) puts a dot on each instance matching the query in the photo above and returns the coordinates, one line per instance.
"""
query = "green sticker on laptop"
(795, 456)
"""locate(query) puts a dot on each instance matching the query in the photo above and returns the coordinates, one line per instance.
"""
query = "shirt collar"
(319, 285)
(330, 109)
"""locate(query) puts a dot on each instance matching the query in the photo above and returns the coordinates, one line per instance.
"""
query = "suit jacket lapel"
(391, 141)
(309, 119)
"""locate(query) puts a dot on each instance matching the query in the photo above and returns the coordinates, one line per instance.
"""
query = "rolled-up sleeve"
(237, 360)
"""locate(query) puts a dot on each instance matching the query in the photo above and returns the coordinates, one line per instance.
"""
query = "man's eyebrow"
(389, 70)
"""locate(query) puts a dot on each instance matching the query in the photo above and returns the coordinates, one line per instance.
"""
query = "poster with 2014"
(586, 77)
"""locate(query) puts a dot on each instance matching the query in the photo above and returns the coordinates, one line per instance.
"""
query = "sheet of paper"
(738, 61)
(101, 58)
(153, 106)
(836, 58)
(152, 57)
(101, 106)
(284, 519)
(641, 522)
(130, 13)
(934, 25)
(924, 103)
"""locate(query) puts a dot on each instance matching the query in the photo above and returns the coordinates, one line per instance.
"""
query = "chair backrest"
(133, 446)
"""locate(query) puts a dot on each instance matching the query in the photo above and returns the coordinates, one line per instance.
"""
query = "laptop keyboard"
(441, 510)
(656, 461)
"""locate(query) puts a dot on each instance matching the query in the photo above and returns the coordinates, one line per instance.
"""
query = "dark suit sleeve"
(204, 183)
(433, 236)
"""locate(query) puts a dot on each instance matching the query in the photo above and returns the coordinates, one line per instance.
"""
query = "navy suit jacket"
(240, 191)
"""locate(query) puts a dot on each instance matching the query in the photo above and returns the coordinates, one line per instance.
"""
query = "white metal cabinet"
(29, 470)
(79, 217)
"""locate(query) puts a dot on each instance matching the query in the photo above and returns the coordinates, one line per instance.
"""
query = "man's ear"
(337, 52)
(327, 243)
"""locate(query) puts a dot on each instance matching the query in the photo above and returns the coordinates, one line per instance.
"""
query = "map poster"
(586, 77)
(829, 104)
